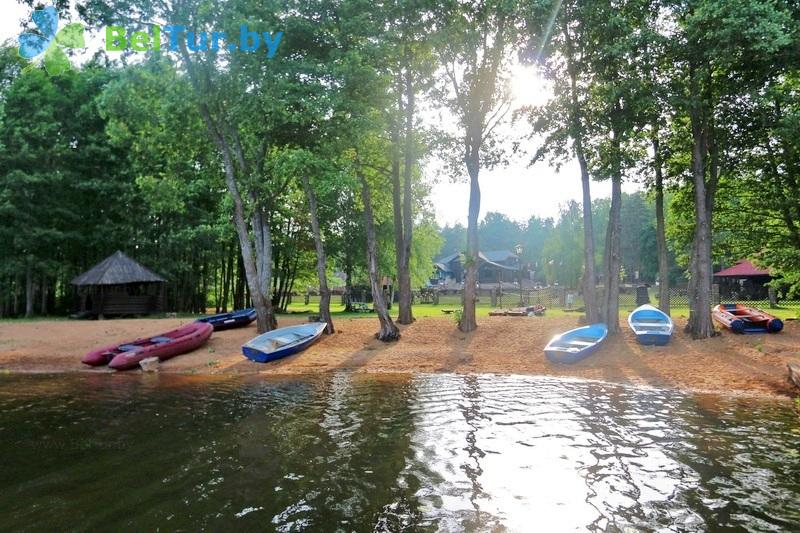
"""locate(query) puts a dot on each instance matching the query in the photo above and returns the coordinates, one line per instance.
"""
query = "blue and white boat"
(234, 319)
(651, 325)
(576, 344)
(283, 341)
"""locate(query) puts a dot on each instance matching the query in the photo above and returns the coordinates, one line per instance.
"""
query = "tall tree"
(721, 49)
(558, 41)
(473, 46)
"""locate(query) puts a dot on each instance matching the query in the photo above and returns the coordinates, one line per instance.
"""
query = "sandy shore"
(728, 363)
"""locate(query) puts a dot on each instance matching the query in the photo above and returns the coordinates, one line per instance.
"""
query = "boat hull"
(651, 325)
(234, 319)
(739, 318)
(576, 345)
(123, 356)
(263, 348)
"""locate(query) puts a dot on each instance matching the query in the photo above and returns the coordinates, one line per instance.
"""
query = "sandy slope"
(729, 363)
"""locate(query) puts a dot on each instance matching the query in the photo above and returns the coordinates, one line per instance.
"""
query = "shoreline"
(741, 365)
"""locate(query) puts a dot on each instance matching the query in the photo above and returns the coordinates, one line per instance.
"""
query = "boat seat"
(161, 340)
(579, 343)
(649, 323)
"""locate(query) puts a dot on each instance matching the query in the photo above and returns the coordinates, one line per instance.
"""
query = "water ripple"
(432, 452)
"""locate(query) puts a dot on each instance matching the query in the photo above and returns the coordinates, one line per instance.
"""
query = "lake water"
(364, 453)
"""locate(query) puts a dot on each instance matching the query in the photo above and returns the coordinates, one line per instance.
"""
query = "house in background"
(497, 266)
(743, 281)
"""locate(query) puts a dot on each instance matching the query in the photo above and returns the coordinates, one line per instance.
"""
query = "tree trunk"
(324, 292)
(238, 289)
(263, 238)
(388, 331)
(405, 315)
(348, 283)
(612, 254)
(661, 238)
(397, 201)
(29, 289)
(43, 294)
(468, 321)
(610, 308)
(589, 278)
(700, 325)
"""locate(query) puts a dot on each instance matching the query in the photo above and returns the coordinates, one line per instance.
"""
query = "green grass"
(427, 310)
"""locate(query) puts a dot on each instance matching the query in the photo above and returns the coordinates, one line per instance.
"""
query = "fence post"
(493, 297)
(562, 297)
(305, 299)
(715, 293)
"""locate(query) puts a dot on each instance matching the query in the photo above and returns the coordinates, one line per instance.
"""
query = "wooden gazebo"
(743, 281)
(118, 285)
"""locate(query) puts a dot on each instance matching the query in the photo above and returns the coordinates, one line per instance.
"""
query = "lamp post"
(518, 249)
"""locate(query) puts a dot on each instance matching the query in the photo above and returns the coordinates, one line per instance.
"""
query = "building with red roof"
(743, 281)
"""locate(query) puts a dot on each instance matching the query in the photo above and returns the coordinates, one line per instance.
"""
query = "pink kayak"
(127, 355)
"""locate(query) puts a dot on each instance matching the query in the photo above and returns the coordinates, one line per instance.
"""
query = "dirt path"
(728, 363)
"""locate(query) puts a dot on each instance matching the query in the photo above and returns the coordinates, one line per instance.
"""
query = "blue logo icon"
(50, 41)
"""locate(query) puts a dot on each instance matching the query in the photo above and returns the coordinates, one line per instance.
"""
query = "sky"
(517, 190)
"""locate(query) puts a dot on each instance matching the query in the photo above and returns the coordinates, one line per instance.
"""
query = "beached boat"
(651, 325)
(234, 319)
(742, 319)
(283, 341)
(127, 355)
(576, 344)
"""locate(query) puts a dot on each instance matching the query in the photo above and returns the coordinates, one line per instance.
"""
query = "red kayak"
(127, 355)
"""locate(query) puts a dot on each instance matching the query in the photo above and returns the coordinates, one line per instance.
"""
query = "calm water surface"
(361, 453)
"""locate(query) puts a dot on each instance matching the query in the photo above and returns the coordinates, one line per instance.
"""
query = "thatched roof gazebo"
(118, 285)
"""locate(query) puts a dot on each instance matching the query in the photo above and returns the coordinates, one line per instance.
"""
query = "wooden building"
(743, 281)
(118, 285)
(497, 266)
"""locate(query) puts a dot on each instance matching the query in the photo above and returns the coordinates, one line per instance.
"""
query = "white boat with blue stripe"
(283, 341)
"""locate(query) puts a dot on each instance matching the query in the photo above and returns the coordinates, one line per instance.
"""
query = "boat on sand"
(234, 319)
(126, 355)
(283, 342)
(651, 325)
(743, 319)
(576, 344)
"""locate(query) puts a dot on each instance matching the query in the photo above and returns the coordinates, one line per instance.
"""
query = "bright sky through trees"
(516, 190)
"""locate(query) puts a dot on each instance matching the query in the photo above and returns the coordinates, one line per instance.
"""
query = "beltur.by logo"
(172, 37)
(50, 41)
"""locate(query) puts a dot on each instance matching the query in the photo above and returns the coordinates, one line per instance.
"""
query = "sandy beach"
(753, 364)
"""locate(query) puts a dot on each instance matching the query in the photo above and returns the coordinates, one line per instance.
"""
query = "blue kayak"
(576, 344)
(234, 319)
(283, 341)
(651, 325)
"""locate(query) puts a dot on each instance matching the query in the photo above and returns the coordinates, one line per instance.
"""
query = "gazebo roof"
(742, 269)
(117, 269)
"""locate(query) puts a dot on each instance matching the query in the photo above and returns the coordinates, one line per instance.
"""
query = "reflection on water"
(359, 453)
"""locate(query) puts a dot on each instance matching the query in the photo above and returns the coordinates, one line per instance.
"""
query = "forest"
(241, 177)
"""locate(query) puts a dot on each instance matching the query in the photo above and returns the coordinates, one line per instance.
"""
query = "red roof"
(742, 269)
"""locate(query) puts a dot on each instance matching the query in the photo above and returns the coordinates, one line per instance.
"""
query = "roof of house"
(495, 256)
(742, 269)
(117, 269)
